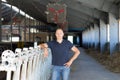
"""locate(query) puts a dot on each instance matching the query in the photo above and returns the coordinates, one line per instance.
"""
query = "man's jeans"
(60, 73)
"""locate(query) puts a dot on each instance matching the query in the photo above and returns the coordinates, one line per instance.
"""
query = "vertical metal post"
(33, 29)
(118, 34)
(29, 30)
(119, 28)
(0, 21)
(25, 29)
(8, 75)
(36, 26)
(11, 27)
(19, 29)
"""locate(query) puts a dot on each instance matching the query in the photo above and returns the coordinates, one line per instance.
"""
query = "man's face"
(59, 34)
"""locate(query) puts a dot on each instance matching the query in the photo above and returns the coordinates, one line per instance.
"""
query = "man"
(60, 49)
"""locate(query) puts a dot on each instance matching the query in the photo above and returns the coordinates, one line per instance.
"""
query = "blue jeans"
(60, 73)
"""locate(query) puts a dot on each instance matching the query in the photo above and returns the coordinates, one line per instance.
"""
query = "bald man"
(60, 49)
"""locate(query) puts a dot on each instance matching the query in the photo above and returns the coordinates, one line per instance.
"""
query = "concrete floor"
(86, 68)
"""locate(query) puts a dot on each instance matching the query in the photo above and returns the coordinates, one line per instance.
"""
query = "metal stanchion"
(16, 74)
(26, 64)
(8, 63)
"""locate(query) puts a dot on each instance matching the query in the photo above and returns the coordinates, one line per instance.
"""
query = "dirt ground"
(111, 62)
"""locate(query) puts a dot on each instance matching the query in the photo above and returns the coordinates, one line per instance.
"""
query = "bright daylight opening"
(14, 39)
(70, 38)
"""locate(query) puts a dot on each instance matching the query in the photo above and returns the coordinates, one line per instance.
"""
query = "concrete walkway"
(86, 68)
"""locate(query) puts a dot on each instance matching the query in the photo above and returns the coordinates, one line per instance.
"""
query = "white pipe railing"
(26, 64)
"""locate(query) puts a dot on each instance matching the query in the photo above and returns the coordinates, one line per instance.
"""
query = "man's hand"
(45, 52)
(68, 64)
(44, 46)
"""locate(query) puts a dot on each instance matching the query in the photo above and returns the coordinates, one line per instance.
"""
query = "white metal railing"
(26, 64)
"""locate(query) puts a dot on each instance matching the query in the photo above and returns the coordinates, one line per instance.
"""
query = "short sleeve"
(49, 44)
(70, 44)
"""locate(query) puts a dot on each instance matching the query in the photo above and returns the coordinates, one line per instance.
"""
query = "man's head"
(59, 34)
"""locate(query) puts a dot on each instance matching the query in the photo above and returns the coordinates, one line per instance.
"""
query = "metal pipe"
(0, 21)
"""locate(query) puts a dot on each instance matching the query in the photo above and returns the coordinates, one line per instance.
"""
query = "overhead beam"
(81, 15)
(103, 5)
(78, 20)
(93, 12)
(80, 25)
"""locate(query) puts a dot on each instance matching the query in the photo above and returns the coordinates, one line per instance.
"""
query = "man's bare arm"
(43, 45)
(76, 54)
